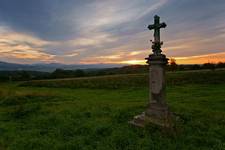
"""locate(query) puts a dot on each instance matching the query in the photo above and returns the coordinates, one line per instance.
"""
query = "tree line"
(132, 69)
(173, 66)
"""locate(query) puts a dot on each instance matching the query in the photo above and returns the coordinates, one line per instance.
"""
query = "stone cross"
(157, 111)
(156, 47)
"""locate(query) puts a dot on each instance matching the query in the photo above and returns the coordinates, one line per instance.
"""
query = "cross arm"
(150, 27)
(163, 25)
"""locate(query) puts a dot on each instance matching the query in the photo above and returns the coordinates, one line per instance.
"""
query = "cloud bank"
(111, 31)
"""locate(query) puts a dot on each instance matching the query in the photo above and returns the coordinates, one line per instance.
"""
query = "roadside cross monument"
(157, 111)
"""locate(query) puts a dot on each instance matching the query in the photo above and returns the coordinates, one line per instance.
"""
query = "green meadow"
(93, 113)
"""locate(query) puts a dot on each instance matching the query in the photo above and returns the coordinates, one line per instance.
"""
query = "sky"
(110, 31)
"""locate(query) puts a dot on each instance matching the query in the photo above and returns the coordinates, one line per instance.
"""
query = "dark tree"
(220, 65)
(173, 64)
(24, 75)
(79, 73)
(210, 66)
(195, 67)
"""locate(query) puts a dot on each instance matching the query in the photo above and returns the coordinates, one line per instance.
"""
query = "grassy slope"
(62, 118)
(132, 80)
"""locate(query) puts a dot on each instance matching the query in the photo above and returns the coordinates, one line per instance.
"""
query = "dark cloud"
(48, 19)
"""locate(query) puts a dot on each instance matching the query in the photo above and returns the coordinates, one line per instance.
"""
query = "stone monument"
(157, 111)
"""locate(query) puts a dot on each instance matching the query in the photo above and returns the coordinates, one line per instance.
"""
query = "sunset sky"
(110, 31)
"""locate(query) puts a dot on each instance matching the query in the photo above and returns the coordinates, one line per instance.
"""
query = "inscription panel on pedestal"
(156, 75)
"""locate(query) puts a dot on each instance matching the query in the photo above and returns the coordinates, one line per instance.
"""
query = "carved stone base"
(157, 111)
(155, 114)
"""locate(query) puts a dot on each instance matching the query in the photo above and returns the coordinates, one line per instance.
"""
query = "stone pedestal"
(157, 111)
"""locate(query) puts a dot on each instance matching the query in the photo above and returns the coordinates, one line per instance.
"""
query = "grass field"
(93, 113)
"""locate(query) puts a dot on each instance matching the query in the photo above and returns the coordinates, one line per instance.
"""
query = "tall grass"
(86, 119)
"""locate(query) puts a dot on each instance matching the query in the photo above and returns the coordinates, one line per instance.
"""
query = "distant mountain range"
(5, 66)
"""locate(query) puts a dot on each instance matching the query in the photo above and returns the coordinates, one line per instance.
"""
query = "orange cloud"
(21, 54)
(22, 46)
(212, 58)
(136, 59)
